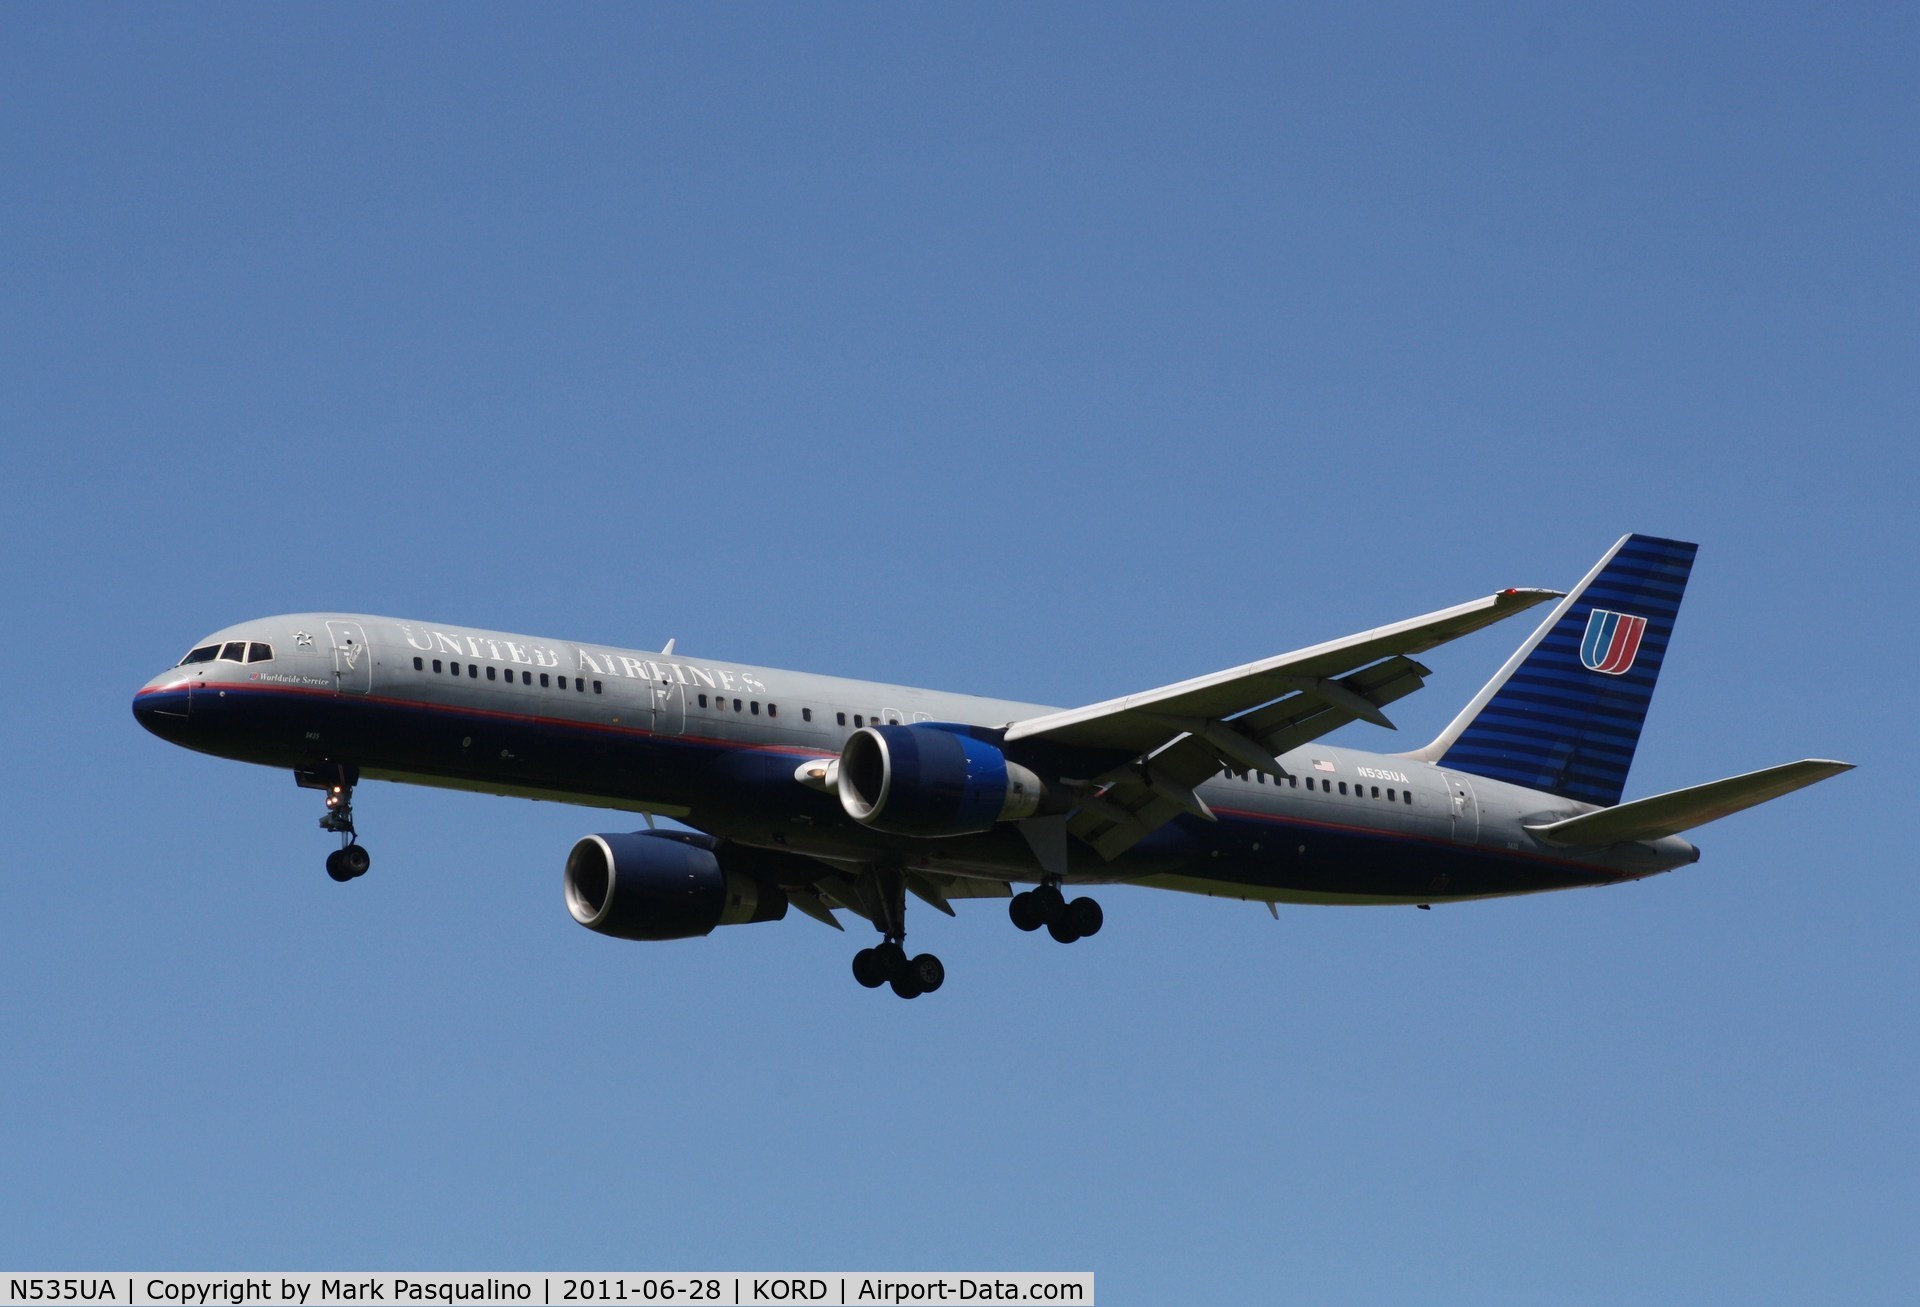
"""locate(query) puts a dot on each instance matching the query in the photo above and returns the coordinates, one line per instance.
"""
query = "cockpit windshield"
(233, 651)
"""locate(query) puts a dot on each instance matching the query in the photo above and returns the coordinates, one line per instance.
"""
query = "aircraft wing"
(1140, 721)
(1242, 717)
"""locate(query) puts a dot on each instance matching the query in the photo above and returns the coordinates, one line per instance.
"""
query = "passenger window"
(842, 717)
(259, 653)
(1407, 795)
(1390, 796)
(858, 720)
(755, 705)
(491, 674)
(234, 652)
(736, 705)
(773, 710)
(544, 682)
(473, 671)
(436, 667)
(1293, 782)
(206, 653)
(806, 715)
(417, 665)
(526, 678)
(454, 668)
(1343, 787)
(596, 687)
(1376, 791)
(703, 703)
(579, 685)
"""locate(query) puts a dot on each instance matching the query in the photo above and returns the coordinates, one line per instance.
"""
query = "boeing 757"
(828, 795)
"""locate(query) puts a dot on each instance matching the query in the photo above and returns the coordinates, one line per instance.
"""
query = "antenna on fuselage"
(667, 650)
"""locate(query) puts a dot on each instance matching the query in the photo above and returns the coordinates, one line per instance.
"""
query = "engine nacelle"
(662, 885)
(929, 780)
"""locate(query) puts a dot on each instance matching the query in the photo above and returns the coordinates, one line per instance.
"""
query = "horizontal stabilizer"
(1678, 810)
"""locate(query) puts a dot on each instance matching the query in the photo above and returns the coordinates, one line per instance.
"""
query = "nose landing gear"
(351, 859)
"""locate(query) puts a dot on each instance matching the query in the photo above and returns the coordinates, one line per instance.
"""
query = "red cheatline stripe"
(494, 714)
(1433, 841)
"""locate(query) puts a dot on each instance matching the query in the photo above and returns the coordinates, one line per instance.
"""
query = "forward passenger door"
(352, 660)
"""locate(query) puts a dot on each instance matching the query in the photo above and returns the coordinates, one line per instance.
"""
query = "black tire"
(905, 986)
(893, 960)
(867, 969)
(337, 867)
(927, 972)
(1024, 911)
(1051, 902)
(1085, 916)
(356, 860)
(1062, 930)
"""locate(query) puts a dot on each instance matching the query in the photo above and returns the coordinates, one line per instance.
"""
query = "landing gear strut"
(883, 893)
(1065, 919)
(351, 859)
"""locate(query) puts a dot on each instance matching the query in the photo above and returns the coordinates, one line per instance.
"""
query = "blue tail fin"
(1565, 712)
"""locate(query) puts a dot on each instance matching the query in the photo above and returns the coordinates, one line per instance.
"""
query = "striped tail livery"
(1564, 714)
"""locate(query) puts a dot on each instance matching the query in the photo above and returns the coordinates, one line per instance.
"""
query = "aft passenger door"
(352, 660)
(1465, 811)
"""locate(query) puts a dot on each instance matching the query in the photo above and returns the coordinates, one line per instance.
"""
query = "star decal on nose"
(302, 639)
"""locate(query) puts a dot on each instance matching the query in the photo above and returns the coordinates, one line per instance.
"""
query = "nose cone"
(162, 704)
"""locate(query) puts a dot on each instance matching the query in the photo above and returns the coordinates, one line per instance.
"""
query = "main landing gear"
(883, 893)
(351, 859)
(1065, 919)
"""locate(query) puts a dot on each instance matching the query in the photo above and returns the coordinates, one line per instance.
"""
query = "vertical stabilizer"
(1564, 713)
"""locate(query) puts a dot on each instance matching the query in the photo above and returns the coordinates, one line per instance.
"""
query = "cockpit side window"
(234, 651)
(259, 653)
(206, 653)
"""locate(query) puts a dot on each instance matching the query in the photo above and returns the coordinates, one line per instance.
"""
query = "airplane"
(824, 794)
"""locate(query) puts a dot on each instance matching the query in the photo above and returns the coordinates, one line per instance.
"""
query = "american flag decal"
(1612, 641)
(1321, 764)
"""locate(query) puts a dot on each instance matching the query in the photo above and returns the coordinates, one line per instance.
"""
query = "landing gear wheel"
(927, 972)
(337, 866)
(1085, 917)
(1024, 911)
(1051, 902)
(881, 894)
(356, 860)
(1063, 930)
(867, 968)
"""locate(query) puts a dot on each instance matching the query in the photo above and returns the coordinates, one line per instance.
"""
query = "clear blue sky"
(1047, 352)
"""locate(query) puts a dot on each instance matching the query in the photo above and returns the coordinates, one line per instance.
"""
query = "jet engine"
(932, 780)
(663, 885)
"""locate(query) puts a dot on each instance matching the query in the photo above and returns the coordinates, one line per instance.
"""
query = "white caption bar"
(544, 1289)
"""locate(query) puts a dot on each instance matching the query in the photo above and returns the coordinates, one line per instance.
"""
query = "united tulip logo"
(1612, 641)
